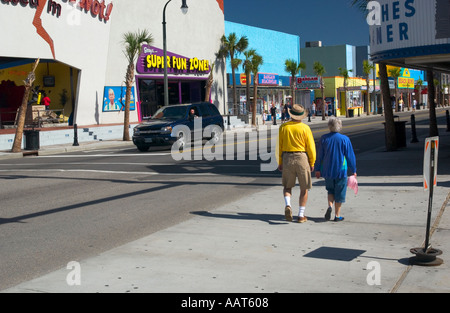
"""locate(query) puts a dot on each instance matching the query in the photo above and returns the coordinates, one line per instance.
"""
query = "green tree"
(133, 44)
(345, 73)
(367, 69)
(231, 46)
(292, 67)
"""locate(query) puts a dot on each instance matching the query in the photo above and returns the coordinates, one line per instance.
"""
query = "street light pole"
(166, 82)
(184, 9)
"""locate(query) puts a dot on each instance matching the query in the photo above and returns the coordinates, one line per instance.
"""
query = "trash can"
(400, 133)
(31, 139)
(380, 110)
(351, 113)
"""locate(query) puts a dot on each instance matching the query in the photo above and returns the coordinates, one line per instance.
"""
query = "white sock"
(287, 200)
(301, 211)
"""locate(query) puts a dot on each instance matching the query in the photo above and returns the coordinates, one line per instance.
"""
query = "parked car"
(175, 124)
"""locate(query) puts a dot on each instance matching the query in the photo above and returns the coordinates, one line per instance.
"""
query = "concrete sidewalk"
(246, 246)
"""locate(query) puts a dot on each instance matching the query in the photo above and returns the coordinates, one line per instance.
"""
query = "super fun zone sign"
(151, 61)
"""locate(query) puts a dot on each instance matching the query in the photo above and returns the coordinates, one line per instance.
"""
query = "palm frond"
(360, 4)
(133, 43)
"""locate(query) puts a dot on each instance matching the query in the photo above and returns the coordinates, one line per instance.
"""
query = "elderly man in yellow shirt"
(296, 158)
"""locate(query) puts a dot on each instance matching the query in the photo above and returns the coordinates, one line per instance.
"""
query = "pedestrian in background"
(287, 117)
(273, 113)
(46, 101)
(296, 157)
(334, 156)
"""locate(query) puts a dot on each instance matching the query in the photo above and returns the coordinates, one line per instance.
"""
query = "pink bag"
(352, 183)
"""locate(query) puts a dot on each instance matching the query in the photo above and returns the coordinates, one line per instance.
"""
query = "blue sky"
(334, 22)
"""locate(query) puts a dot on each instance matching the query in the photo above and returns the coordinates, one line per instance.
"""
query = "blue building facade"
(273, 81)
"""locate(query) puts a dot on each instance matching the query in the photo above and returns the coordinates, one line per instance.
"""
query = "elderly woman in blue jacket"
(335, 156)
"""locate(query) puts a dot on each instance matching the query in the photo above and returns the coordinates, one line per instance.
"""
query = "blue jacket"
(334, 155)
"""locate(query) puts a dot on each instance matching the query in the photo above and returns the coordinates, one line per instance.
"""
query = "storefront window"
(151, 93)
(354, 98)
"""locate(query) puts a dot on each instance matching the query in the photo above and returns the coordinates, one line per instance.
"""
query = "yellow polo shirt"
(296, 136)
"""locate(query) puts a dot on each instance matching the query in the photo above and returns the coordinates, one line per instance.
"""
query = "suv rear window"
(204, 109)
(213, 109)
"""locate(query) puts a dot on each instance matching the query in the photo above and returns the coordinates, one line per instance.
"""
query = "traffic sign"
(430, 161)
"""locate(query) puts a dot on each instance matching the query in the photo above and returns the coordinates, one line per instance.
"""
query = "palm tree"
(361, 4)
(292, 67)
(247, 67)
(231, 46)
(419, 84)
(257, 61)
(28, 82)
(437, 91)
(395, 73)
(391, 134)
(320, 70)
(367, 69)
(432, 104)
(133, 43)
(209, 83)
(345, 73)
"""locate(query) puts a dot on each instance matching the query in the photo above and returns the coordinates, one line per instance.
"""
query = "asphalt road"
(61, 208)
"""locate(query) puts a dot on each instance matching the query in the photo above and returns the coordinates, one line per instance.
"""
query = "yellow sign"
(404, 82)
(406, 73)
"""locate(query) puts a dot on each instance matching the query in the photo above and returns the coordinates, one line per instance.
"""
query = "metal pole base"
(426, 258)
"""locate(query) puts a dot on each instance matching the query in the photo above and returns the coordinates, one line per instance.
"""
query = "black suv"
(175, 124)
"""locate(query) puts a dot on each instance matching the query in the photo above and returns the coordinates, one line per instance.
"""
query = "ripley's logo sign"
(97, 8)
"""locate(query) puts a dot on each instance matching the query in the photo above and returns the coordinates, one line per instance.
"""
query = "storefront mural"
(114, 99)
(95, 7)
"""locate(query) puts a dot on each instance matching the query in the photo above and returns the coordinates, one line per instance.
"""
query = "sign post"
(427, 255)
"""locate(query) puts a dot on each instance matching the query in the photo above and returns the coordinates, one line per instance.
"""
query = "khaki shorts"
(296, 165)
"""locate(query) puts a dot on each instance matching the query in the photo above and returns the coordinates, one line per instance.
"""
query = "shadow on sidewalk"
(271, 219)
